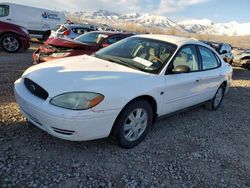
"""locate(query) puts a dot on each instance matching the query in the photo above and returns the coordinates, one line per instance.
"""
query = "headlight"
(61, 54)
(77, 100)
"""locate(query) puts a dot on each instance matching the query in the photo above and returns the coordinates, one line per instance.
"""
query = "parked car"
(13, 37)
(122, 89)
(55, 48)
(242, 59)
(71, 30)
(224, 49)
(37, 21)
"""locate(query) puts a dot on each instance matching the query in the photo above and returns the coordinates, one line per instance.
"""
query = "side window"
(112, 40)
(79, 30)
(209, 61)
(4, 10)
(187, 56)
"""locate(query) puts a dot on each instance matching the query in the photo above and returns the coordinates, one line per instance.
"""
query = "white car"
(122, 89)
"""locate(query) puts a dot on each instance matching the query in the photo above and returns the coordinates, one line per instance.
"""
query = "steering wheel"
(156, 58)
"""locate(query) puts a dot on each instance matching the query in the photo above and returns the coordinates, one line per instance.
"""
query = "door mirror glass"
(181, 69)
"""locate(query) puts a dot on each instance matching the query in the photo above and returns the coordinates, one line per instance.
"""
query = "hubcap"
(135, 124)
(218, 97)
(10, 44)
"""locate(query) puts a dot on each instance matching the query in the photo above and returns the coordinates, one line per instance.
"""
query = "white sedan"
(122, 89)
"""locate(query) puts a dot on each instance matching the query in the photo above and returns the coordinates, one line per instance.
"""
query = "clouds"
(160, 7)
(171, 6)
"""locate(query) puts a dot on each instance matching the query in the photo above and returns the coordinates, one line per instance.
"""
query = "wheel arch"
(224, 84)
(9, 32)
(151, 100)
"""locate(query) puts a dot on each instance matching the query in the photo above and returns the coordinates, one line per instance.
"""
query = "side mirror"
(181, 69)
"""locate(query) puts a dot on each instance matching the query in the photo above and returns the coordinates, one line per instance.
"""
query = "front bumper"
(62, 123)
(25, 42)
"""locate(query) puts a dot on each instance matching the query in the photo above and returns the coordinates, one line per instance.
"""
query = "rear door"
(212, 75)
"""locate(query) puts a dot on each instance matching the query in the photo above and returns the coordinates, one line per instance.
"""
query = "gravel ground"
(197, 148)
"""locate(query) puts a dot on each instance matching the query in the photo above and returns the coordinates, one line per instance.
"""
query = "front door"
(184, 89)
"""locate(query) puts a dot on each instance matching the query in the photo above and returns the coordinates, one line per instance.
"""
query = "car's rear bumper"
(62, 123)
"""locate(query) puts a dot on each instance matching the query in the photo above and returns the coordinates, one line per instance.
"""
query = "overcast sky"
(215, 10)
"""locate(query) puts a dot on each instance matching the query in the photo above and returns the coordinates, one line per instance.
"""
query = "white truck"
(39, 22)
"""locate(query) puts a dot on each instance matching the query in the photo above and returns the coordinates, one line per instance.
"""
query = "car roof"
(179, 41)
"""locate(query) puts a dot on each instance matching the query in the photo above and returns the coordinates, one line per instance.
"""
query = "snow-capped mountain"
(206, 26)
(103, 16)
(203, 26)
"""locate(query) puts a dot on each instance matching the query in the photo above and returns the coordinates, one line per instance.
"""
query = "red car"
(13, 37)
(55, 48)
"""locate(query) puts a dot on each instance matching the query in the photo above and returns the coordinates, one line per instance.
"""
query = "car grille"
(35, 89)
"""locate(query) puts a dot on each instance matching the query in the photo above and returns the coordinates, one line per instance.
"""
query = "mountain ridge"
(196, 26)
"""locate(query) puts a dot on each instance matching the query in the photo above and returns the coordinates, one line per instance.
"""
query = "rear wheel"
(133, 123)
(10, 43)
(215, 103)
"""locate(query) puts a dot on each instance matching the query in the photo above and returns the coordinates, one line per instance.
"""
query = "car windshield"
(91, 37)
(139, 53)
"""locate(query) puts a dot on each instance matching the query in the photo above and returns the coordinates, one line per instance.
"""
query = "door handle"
(197, 80)
(9, 19)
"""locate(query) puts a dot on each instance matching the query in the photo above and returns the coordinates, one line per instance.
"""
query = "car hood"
(68, 43)
(81, 73)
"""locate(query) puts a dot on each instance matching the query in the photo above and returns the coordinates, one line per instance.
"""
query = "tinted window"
(209, 61)
(187, 56)
(114, 39)
(4, 10)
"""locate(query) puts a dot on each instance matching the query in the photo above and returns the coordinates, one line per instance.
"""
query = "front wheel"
(215, 103)
(10, 43)
(133, 123)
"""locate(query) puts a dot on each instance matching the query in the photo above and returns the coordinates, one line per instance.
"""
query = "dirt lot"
(197, 148)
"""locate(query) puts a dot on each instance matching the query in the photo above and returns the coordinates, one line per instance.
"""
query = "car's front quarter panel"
(119, 94)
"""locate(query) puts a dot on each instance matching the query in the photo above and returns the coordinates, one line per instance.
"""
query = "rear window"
(4, 10)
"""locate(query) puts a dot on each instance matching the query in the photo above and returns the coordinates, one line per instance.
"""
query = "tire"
(45, 37)
(129, 130)
(215, 103)
(10, 43)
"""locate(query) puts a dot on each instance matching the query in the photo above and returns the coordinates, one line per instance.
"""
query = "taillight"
(67, 32)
